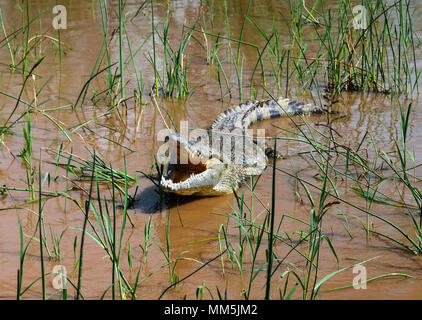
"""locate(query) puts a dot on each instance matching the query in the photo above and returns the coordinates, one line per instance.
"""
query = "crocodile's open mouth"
(183, 172)
(189, 172)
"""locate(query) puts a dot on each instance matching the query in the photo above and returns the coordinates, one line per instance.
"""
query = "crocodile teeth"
(208, 177)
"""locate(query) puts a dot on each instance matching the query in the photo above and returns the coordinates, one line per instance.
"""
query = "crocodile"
(220, 158)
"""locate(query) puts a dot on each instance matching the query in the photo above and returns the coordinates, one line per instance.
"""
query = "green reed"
(11, 55)
(56, 242)
(104, 233)
(22, 254)
(173, 81)
(24, 248)
(121, 57)
(147, 239)
(402, 174)
(171, 263)
(26, 154)
(24, 8)
(381, 57)
(269, 252)
(154, 61)
(365, 59)
(105, 25)
(138, 74)
(40, 229)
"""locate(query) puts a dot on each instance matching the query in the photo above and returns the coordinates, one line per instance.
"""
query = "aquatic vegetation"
(79, 113)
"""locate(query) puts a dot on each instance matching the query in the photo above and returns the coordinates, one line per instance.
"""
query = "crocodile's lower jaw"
(198, 191)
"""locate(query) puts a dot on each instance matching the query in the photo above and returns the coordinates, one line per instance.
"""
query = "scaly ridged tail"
(245, 114)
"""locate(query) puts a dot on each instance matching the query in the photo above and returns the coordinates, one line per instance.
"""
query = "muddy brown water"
(194, 221)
